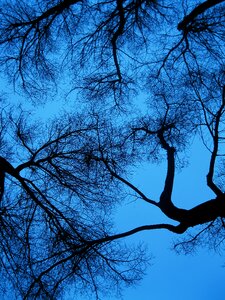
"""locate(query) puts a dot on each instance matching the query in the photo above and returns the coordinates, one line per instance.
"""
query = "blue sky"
(199, 276)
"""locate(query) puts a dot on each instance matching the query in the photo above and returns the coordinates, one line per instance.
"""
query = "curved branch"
(179, 229)
(214, 154)
(55, 10)
(198, 10)
(89, 244)
(129, 184)
(116, 35)
(166, 204)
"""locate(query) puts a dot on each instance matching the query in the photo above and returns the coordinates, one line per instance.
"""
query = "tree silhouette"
(61, 181)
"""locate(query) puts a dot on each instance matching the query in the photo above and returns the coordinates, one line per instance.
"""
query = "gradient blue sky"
(199, 276)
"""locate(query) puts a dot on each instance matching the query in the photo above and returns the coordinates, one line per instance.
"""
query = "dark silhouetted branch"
(214, 153)
(198, 10)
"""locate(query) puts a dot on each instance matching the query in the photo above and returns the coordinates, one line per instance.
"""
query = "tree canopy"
(139, 81)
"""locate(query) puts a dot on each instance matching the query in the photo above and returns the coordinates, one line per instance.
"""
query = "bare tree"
(60, 182)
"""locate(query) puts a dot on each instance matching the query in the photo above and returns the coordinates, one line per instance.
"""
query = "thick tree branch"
(166, 204)
(214, 154)
(205, 212)
(53, 11)
(176, 229)
(116, 35)
(5, 167)
(198, 10)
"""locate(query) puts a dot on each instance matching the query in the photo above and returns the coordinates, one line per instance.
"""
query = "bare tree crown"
(61, 180)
